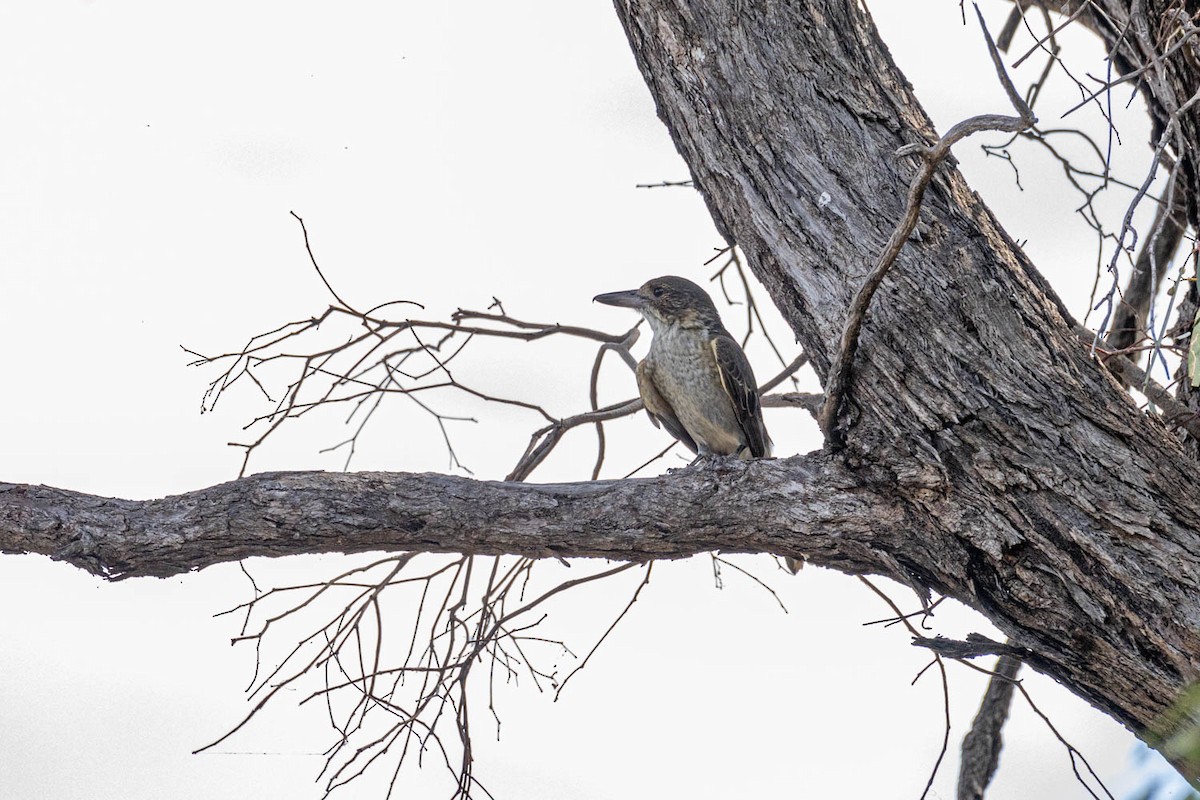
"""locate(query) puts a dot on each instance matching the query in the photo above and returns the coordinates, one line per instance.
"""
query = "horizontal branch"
(858, 519)
(798, 507)
(1174, 411)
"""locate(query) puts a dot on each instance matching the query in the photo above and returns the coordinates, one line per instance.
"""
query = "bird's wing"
(658, 408)
(738, 380)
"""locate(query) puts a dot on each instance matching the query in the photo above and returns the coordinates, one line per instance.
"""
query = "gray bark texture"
(986, 456)
(982, 745)
(764, 506)
(1061, 509)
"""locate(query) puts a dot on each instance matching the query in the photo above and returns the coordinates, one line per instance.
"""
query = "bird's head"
(666, 301)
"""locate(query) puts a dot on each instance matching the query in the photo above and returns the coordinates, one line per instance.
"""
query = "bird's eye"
(658, 291)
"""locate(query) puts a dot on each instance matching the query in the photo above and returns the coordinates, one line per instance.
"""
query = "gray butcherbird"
(695, 380)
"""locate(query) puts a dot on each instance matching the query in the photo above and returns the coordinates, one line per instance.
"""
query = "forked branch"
(838, 379)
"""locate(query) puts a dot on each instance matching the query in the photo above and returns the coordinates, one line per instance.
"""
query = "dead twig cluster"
(1130, 318)
(982, 744)
(358, 359)
(400, 649)
(389, 701)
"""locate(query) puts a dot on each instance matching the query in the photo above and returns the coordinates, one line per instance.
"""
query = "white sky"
(444, 153)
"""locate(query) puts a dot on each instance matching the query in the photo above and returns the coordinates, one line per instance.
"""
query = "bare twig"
(1127, 229)
(838, 379)
(545, 439)
(1129, 324)
(977, 645)
(666, 185)
(753, 317)
(636, 594)
(1173, 411)
(388, 707)
(937, 660)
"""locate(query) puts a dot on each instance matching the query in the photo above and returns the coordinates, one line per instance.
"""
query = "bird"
(696, 382)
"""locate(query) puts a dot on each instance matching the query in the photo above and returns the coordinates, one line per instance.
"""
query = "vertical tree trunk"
(1064, 507)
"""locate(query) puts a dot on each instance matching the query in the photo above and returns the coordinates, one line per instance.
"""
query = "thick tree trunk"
(986, 456)
(1066, 508)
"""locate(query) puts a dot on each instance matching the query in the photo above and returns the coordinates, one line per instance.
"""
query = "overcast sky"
(446, 153)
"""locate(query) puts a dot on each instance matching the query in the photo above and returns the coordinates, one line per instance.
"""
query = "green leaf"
(1193, 360)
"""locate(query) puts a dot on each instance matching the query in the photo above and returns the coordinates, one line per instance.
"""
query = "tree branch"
(796, 508)
(975, 645)
(982, 744)
(1153, 261)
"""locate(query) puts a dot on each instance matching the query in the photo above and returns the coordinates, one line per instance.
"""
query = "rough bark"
(808, 506)
(986, 456)
(982, 745)
(1064, 500)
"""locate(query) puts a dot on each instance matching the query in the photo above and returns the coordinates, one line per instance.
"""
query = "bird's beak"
(628, 299)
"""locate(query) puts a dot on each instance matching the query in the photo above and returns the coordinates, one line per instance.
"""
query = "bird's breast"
(685, 373)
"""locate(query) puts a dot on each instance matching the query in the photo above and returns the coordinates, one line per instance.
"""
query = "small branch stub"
(975, 645)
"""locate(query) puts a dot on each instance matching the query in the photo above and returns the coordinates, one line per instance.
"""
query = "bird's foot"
(715, 461)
